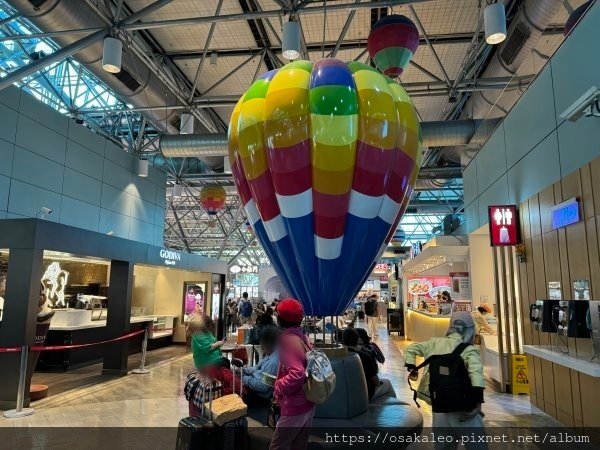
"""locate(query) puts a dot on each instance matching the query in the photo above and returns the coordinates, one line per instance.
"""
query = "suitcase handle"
(236, 362)
(213, 388)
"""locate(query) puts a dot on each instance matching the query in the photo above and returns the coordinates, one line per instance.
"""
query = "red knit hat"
(290, 310)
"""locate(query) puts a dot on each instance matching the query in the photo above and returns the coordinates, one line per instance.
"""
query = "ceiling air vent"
(514, 43)
(127, 79)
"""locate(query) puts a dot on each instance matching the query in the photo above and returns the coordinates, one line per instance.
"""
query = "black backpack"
(449, 383)
(370, 308)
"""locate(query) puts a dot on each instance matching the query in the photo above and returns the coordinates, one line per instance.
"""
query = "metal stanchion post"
(20, 411)
(142, 369)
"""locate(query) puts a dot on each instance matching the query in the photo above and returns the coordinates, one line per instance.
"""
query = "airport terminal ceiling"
(198, 57)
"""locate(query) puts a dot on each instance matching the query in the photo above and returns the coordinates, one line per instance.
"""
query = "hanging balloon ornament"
(212, 199)
(392, 42)
(249, 228)
(324, 157)
(575, 16)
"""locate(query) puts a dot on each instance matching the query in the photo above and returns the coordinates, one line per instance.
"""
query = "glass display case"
(162, 327)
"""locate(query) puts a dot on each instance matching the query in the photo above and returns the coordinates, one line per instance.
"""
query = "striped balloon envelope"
(212, 199)
(324, 157)
(392, 42)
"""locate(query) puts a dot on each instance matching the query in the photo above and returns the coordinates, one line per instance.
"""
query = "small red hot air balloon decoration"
(212, 199)
(392, 42)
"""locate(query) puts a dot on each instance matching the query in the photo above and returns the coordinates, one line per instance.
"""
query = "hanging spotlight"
(291, 40)
(142, 168)
(494, 19)
(111, 55)
(213, 59)
(186, 124)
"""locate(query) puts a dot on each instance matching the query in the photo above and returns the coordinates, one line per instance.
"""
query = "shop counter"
(67, 331)
(422, 325)
(490, 357)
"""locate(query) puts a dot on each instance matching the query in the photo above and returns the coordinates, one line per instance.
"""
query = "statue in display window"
(54, 282)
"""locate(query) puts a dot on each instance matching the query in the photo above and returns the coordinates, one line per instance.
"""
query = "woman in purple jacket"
(293, 427)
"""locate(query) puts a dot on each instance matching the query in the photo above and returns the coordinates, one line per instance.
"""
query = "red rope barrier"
(44, 348)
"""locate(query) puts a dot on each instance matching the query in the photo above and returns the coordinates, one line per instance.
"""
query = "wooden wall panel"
(564, 397)
(548, 382)
(577, 250)
(538, 267)
(590, 400)
(595, 181)
(532, 378)
(539, 380)
(525, 222)
(534, 216)
(525, 302)
(530, 287)
(571, 185)
(565, 255)
(587, 196)
(546, 203)
(565, 274)
(591, 232)
(551, 257)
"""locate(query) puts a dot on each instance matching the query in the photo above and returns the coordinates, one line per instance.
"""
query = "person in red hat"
(293, 427)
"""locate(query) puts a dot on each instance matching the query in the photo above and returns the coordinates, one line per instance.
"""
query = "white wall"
(46, 159)
(482, 270)
(533, 147)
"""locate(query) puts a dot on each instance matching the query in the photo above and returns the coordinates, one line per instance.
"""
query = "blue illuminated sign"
(565, 213)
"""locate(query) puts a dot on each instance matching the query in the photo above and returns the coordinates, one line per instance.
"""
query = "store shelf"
(160, 334)
(579, 364)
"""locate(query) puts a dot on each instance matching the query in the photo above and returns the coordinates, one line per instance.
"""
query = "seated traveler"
(351, 341)
(206, 350)
(260, 387)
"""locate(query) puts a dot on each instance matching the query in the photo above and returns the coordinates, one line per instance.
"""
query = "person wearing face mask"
(453, 382)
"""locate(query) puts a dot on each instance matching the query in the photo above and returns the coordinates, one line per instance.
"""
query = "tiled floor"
(156, 399)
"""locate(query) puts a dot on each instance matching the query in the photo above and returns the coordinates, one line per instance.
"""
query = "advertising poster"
(194, 297)
(554, 290)
(461, 286)
(581, 290)
(428, 287)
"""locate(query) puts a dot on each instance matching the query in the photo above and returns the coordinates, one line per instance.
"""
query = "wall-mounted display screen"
(194, 300)
(565, 213)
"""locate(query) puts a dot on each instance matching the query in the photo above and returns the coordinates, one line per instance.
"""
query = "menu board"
(461, 286)
(428, 287)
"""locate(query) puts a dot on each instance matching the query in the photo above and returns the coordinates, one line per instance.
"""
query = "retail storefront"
(461, 266)
(99, 287)
(442, 267)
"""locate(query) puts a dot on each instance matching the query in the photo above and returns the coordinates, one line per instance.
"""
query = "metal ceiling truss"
(30, 58)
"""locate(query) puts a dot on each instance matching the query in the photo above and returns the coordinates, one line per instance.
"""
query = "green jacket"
(203, 355)
(443, 346)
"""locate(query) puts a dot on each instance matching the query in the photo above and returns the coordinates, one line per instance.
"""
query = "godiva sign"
(170, 257)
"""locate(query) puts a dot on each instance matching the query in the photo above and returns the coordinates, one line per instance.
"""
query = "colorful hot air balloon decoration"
(392, 42)
(212, 199)
(324, 157)
(575, 16)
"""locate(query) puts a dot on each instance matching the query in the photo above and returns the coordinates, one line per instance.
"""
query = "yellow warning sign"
(520, 380)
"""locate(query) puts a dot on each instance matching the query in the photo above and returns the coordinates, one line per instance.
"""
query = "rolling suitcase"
(199, 432)
(235, 432)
